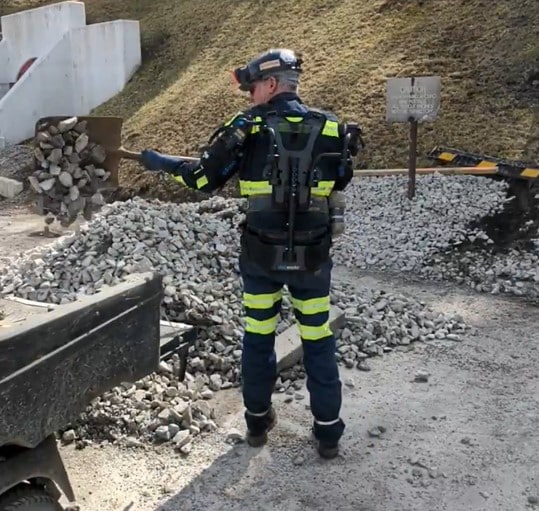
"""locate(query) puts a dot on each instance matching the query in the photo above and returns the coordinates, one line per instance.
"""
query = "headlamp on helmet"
(266, 64)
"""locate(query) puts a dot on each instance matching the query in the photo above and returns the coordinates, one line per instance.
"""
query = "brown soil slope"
(486, 52)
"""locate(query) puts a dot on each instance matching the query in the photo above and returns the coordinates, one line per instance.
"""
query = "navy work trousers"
(310, 298)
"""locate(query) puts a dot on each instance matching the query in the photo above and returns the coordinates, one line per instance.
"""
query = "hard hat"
(269, 63)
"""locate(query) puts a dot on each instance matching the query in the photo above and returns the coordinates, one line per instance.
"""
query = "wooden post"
(412, 160)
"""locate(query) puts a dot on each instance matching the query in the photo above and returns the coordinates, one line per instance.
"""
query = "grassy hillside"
(486, 52)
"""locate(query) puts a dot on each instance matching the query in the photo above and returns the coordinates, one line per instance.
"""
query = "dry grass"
(483, 50)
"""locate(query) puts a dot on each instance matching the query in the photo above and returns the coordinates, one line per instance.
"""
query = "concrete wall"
(5, 53)
(43, 90)
(85, 68)
(34, 32)
(105, 57)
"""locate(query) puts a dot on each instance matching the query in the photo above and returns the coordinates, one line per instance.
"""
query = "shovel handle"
(130, 155)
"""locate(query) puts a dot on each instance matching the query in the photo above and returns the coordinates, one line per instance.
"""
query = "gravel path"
(464, 440)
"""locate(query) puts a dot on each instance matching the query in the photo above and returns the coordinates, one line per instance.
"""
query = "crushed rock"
(195, 247)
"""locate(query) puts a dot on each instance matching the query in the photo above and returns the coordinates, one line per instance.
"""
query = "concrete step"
(288, 345)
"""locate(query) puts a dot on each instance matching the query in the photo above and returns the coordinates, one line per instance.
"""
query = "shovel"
(107, 132)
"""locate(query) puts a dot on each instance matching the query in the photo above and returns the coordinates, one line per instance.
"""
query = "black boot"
(328, 450)
(258, 427)
(326, 438)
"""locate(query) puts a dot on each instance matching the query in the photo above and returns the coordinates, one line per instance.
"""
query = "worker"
(276, 147)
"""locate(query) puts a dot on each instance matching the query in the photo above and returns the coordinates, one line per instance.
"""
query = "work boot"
(259, 426)
(327, 450)
(327, 440)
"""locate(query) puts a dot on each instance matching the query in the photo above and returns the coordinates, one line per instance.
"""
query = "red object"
(25, 68)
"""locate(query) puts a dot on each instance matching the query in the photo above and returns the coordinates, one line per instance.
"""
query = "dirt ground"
(466, 440)
(22, 230)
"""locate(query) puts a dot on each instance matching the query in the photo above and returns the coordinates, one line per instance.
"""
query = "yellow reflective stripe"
(264, 327)
(323, 189)
(486, 164)
(256, 129)
(530, 173)
(229, 122)
(447, 156)
(261, 301)
(312, 305)
(331, 129)
(202, 181)
(179, 179)
(294, 119)
(255, 187)
(315, 333)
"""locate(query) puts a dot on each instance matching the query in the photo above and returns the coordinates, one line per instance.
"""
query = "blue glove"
(153, 160)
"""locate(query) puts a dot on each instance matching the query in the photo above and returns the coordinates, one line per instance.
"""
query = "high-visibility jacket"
(216, 167)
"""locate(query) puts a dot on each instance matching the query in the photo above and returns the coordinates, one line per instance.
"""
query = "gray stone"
(55, 156)
(132, 442)
(206, 394)
(162, 433)
(187, 448)
(43, 136)
(98, 154)
(74, 193)
(216, 382)
(81, 143)
(67, 124)
(97, 198)
(234, 436)
(47, 184)
(363, 366)
(422, 376)
(182, 438)
(69, 436)
(299, 460)
(170, 290)
(10, 188)
(66, 179)
(173, 429)
(80, 127)
(376, 431)
(54, 170)
(165, 415)
(34, 183)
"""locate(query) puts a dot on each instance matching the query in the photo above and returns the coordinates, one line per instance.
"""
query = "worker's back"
(268, 220)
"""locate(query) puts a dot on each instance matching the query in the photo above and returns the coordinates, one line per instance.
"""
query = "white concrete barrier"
(33, 33)
(5, 53)
(105, 56)
(86, 66)
(44, 90)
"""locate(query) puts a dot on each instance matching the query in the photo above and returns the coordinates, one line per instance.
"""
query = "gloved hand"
(155, 161)
(152, 160)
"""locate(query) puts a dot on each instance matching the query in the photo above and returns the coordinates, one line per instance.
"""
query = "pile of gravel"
(194, 244)
(159, 408)
(431, 236)
(195, 247)
(16, 162)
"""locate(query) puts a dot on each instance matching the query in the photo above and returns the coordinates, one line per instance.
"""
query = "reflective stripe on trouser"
(310, 296)
(262, 303)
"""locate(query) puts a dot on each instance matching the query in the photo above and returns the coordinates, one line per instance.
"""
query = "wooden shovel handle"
(130, 155)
